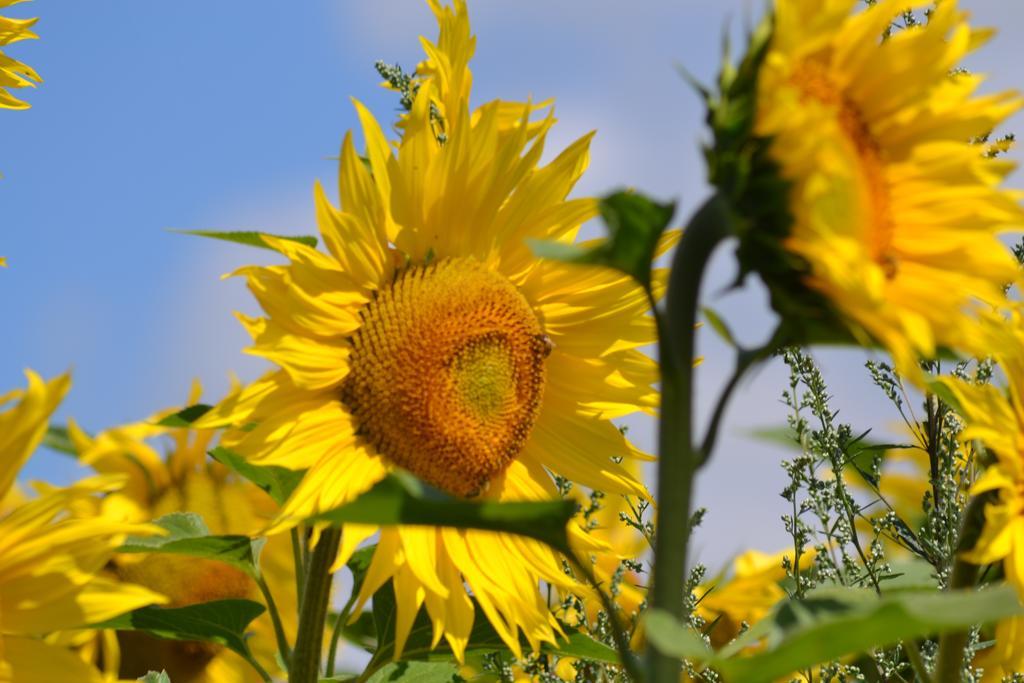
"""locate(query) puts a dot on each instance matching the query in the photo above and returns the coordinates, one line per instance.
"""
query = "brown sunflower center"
(813, 78)
(447, 373)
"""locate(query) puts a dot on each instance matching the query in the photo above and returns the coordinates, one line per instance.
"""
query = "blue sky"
(221, 115)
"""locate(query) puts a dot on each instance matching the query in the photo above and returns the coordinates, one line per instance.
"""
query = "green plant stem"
(305, 667)
(300, 565)
(949, 662)
(917, 661)
(629, 663)
(339, 624)
(275, 617)
(678, 459)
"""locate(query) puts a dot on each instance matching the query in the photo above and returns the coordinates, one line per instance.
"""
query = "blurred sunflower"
(1005, 656)
(995, 418)
(745, 595)
(14, 74)
(883, 206)
(185, 480)
(49, 560)
(429, 338)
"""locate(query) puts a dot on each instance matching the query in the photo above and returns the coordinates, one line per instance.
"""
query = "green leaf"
(186, 416)
(417, 672)
(400, 498)
(835, 622)
(223, 622)
(188, 535)
(154, 677)
(942, 390)
(250, 238)
(58, 439)
(278, 482)
(582, 646)
(719, 326)
(672, 638)
(635, 224)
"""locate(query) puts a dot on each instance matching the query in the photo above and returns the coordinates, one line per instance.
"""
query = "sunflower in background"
(871, 209)
(429, 338)
(185, 480)
(744, 595)
(14, 74)
(50, 561)
(994, 417)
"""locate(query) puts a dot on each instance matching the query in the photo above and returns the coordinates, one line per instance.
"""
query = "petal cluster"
(895, 208)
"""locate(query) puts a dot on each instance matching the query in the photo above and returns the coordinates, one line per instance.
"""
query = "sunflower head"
(181, 478)
(865, 202)
(427, 337)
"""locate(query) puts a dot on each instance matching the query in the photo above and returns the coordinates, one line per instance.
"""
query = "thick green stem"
(313, 615)
(678, 457)
(300, 565)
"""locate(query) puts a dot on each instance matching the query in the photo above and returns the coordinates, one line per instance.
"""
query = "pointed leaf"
(186, 416)
(223, 622)
(278, 482)
(400, 498)
(635, 224)
(251, 238)
(188, 535)
(835, 622)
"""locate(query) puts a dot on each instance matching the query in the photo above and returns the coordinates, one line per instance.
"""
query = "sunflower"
(891, 209)
(995, 418)
(1005, 656)
(429, 338)
(185, 480)
(14, 74)
(746, 595)
(50, 561)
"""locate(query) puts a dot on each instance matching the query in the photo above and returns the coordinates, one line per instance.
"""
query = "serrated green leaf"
(835, 622)
(278, 482)
(154, 677)
(186, 416)
(188, 535)
(223, 622)
(251, 238)
(400, 498)
(635, 224)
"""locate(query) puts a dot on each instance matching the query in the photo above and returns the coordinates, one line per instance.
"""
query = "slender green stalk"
(678, 458)
(339, 624)
(300, 565)
(629, 663)
(264, 676)
(917, 661)
(275, 617)
(305, 666)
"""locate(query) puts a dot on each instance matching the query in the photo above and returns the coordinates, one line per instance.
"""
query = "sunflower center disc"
(447, 373)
